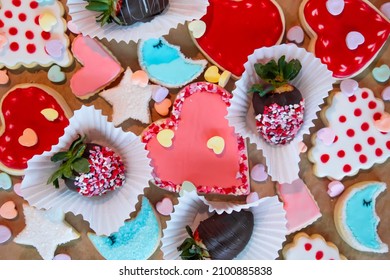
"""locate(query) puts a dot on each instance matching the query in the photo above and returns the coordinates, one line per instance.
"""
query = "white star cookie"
(45, 230)
(130, 99)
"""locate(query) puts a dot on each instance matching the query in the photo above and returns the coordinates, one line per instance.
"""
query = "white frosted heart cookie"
(356, 219)
(314, 247)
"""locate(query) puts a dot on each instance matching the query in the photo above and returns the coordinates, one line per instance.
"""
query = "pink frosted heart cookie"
(92, 77)
(178, 145)
(314, 247)
(24, 36)
(358, 144)
(340, 38)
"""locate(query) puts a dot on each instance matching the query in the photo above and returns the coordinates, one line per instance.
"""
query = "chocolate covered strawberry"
(88, 168)
(126, 12)
(279, 106)
(219, 237)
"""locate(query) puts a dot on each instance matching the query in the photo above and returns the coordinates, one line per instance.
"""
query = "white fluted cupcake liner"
(314, 81)
(268, 235)
(105, 213)
(178, 12)
(221, 206)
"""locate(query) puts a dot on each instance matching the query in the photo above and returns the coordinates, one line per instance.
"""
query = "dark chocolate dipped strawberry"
(219, 237)
(279, 106)
(126, 12)
(88, 168)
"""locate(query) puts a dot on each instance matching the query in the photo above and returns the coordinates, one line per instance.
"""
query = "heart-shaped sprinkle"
(224, 78)
(5, 181)
(383, 124)
(29, 138)
(296, 34)
(162, 108)
(197, 28)
(8, 210)
(354, 39)
(349, 87)
(5, 234)
(385, 9)
(4, 79)
(47, 21)
(165, 206)
(17, 189)
(335, 7)
(302, 148)
(140, 78)
(55, 74)
(217, 144)
(3, 40)
(258, 173)
(335, 188)
(187, 186)
(381, 74)
(73, 27)
(252, 197)
(164, 137)
(62, 257)
(212, 74)
(326, 135)
(50, 114)
(55, 48)
(159, 93)
(386, 94)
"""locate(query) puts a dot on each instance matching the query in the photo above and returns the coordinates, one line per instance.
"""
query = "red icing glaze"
(331, 32)
(358, 148)
(1, 24)
(371, 141)
(325, 158)
(350, 132)
(347, 168)
(365, 126)
(236, 28)
(362, 158)
(20, 110)
(342, 119)
(189, 159)
(8, 14)
(16, 3)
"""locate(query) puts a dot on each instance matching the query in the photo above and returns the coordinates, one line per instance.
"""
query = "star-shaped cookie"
(45, 230)
(130, 99)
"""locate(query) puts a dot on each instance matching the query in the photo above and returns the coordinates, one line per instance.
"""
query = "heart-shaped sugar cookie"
(340, 38)
(189, 158)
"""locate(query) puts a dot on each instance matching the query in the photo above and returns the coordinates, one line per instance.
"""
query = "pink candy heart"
(326, 135)
(383, 124)
(73, 27)
(54, 48)
(296, 34)
(335, 7)
(335, 188)
(354, 39)
(8, 210)
(252, 197)
(386, 94)
(165, 206)
(302, 148)
(348, 87)
(258, 173)
(5, 234)
(4, 79)
(17, 189)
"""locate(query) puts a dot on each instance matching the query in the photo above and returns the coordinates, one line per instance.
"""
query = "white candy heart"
(5, 234)
(326, 135)
(197, 27)
(354, 39)
(385, 9)
(335, 7)
(17, 189)
(296, 34)
(348, 87)
(62, 257)
(165, 206)
(258, 173)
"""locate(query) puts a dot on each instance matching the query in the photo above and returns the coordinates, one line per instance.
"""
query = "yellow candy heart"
(164, 137)
(217, 144)
(224, 79)
(162, 108)
(212, 74)
(47, 21)
(50, 114)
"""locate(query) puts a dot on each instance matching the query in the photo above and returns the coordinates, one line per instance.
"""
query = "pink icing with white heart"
(25, 40)
(358, 143)
(311, 248)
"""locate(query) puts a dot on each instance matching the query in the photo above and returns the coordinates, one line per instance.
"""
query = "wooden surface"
(126, 54)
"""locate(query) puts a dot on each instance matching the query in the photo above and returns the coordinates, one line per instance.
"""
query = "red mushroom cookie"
(33, 117)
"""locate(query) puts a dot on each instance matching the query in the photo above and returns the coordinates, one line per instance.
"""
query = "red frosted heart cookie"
(346, 34)
(33, 117)
(234, 29)
(197, 145)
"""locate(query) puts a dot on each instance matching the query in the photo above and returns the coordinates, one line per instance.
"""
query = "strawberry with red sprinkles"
(279, 106)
